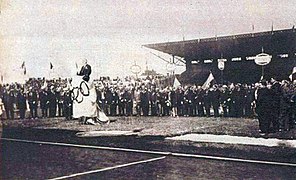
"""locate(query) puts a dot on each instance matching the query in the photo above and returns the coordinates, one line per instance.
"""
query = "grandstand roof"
(273, 42)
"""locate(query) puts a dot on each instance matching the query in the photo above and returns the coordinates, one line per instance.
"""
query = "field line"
(108, 168)
(88, 146)
(155, 152)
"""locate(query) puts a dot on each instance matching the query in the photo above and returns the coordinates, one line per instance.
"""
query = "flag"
(208, 81)
(51, 66)
(44, 85)
(23, 65)
(293, 75)
(253, 27)
(2, 78)
(176, 83)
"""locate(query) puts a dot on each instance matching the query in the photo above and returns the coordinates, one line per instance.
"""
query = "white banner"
(262, 59)
(221, 64)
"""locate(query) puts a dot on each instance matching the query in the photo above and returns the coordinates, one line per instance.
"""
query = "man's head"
(84, 61)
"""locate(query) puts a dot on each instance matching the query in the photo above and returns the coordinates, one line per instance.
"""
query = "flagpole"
(25, 76)
(2, 78)
(221, 76)
(262, 72)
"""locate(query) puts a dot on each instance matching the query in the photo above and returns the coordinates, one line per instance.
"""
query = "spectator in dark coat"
(238, 99)
(33, 103)
(68, 105)
(286, 106)
(214, 97)
(200, 101)
(180, 102)
(144, 96)
(22, 103)
(8, 101)
(108, 101)
(43, 98)
(207, 102)
(128, 96)
(52, 102)
(248, 100)
(154, 102)
(174, 102)
(114, 102)
(224, 98)
(265, 107)
(121, 102)
(190, 98)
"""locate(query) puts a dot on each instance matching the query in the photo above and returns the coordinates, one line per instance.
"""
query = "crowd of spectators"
(272, 101)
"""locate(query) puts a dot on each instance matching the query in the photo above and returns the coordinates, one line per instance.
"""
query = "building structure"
(238, 52)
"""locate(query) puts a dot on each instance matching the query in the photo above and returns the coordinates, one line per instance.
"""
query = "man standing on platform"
(85, 71)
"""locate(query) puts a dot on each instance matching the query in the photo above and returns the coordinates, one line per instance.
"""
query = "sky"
(110, 33)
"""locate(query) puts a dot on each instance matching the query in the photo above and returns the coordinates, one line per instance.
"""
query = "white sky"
(109, 33)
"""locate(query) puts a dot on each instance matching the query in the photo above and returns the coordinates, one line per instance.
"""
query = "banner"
(293, 75)
(207, 84)
(176, 83)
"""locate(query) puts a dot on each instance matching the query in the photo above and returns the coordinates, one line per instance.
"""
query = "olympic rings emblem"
(78, 92)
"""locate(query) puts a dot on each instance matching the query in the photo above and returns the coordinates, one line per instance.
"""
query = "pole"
(262, 72)
(221, 76)
(173, 71)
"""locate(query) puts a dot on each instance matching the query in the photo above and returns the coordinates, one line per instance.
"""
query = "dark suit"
(263, 109)
(8, 101)
(85, 72)
(129, 102)
(214, 96)
(189, 96)
(144, 96)
(52, 103)
(43, 97)
(22, 105)
(180, 102)
(114, 103)
(33, 103)
(68, 104)
(154, 105)
(207, 103)
(200, 102)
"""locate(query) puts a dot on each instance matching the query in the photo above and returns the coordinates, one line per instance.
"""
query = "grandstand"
(201, 56)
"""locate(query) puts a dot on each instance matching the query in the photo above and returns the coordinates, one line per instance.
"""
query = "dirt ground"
(158, 126)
